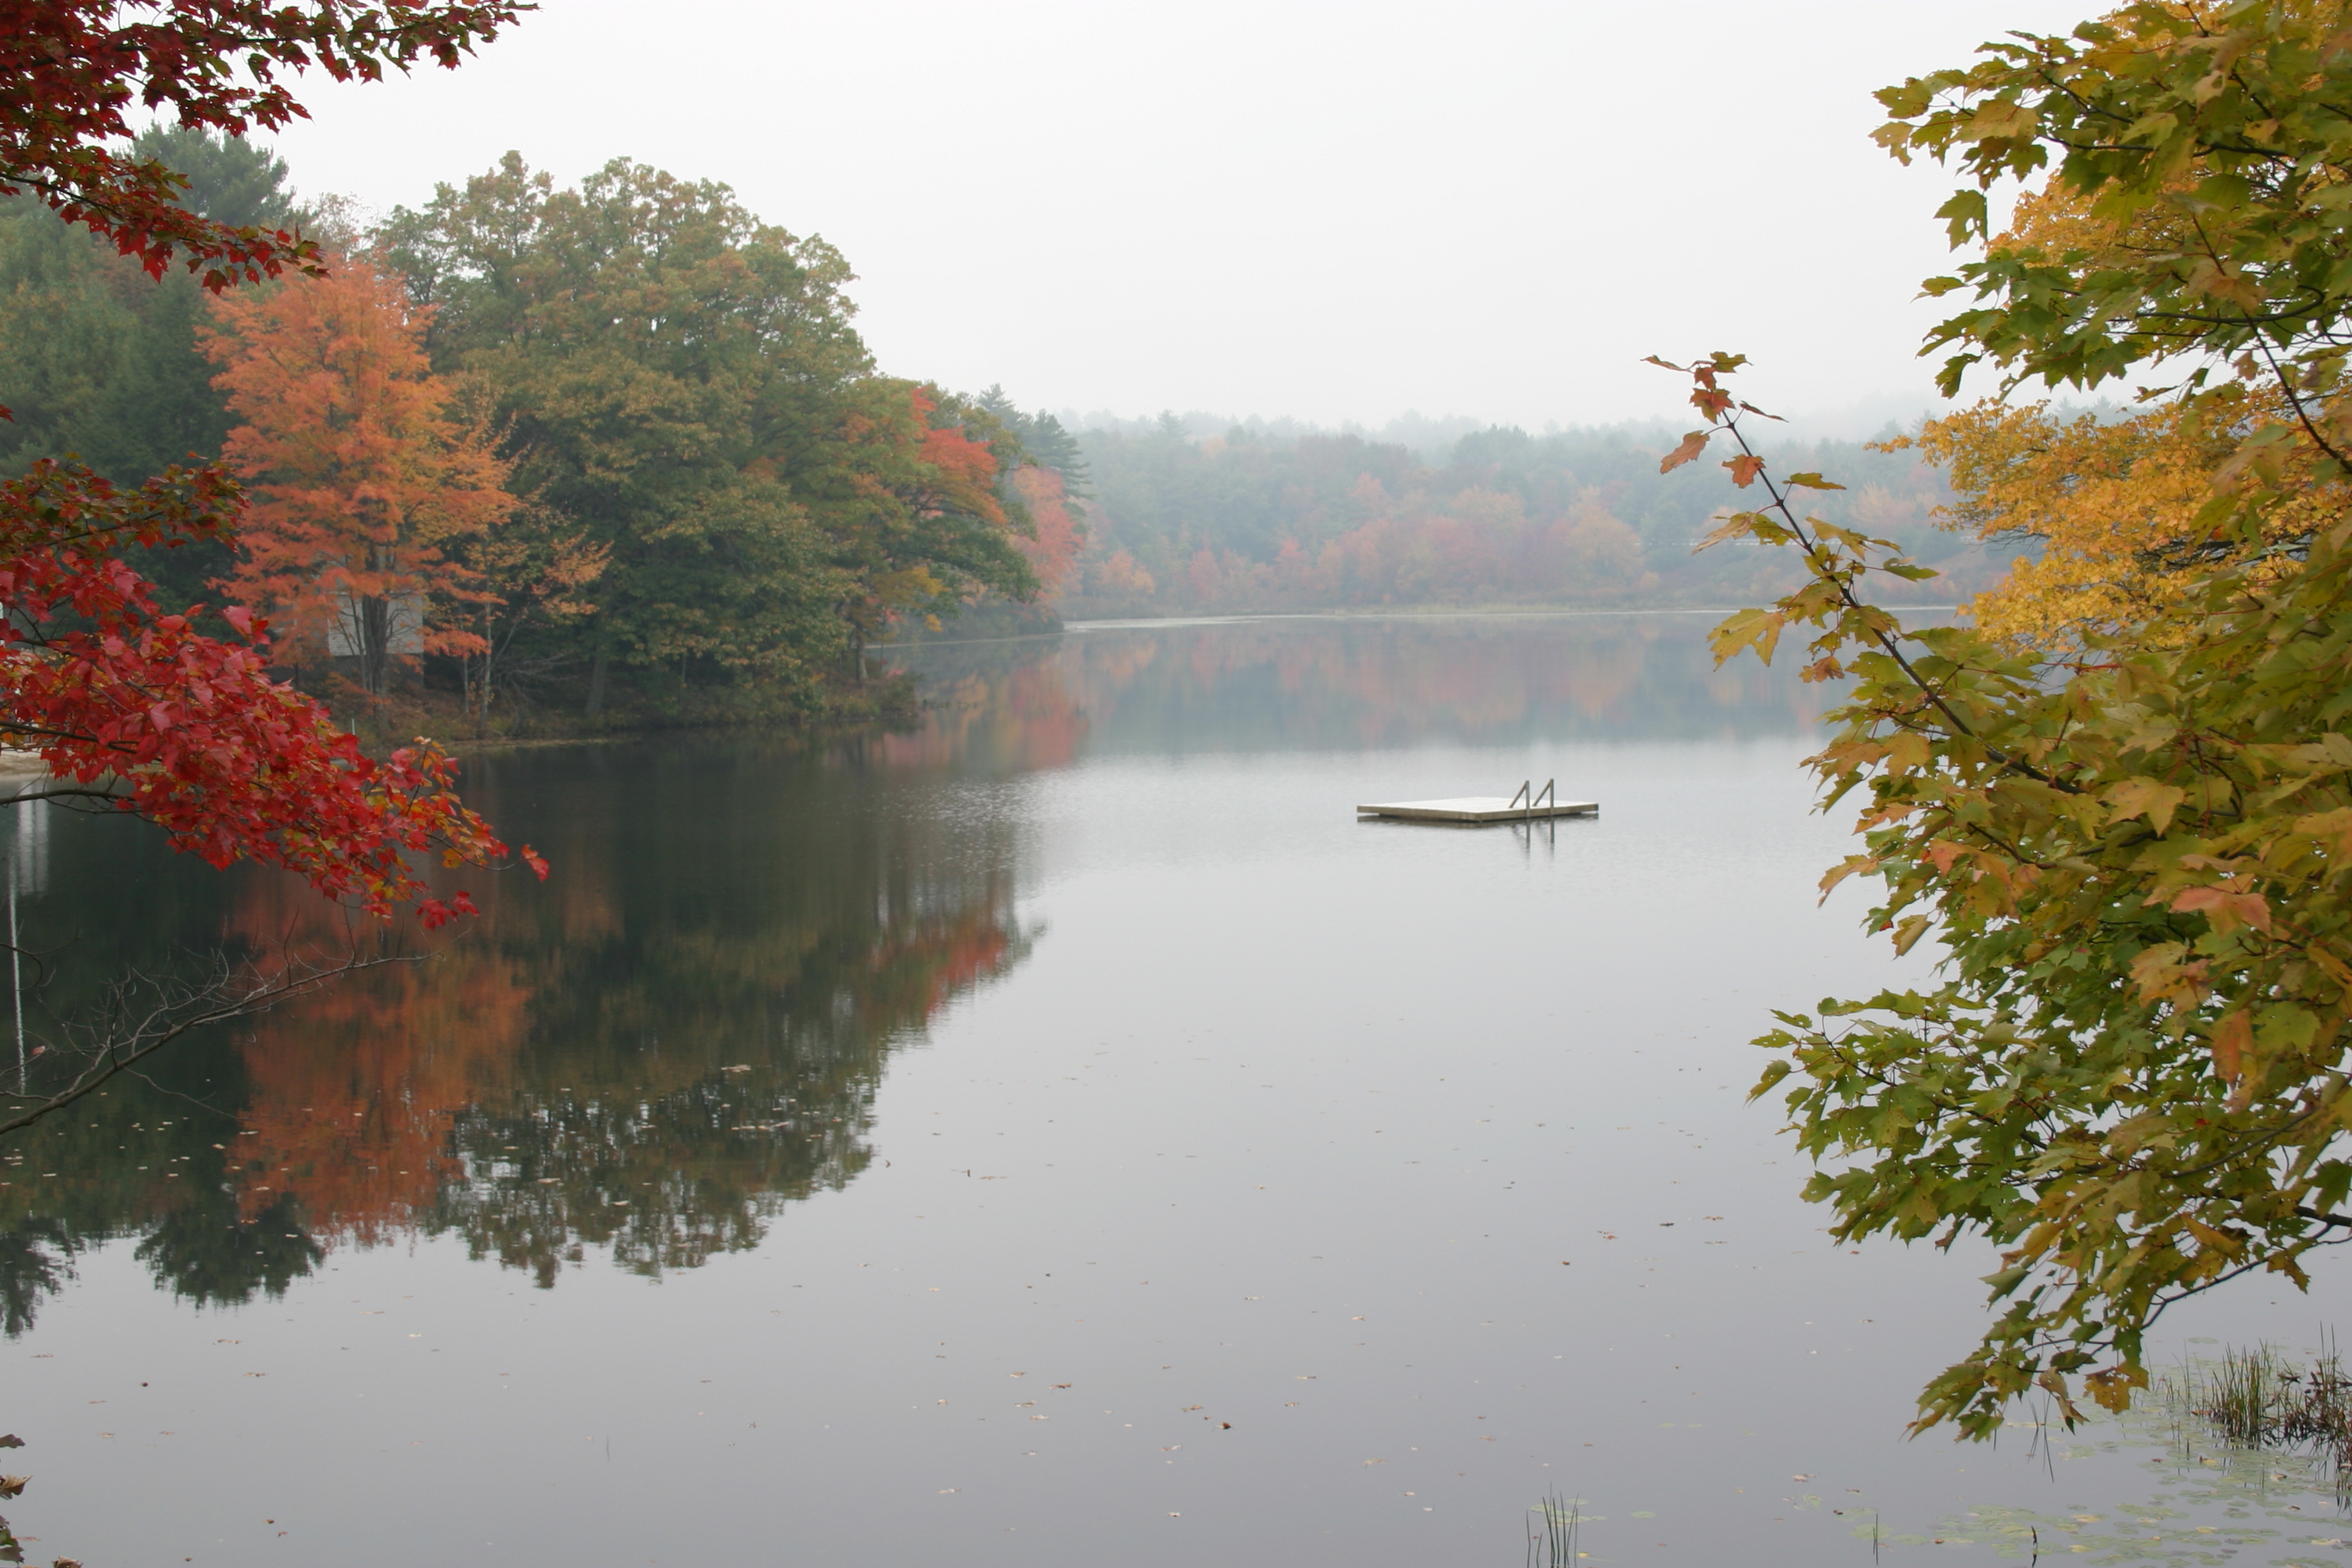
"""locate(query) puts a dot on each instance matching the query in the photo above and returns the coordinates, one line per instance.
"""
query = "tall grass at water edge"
(2257, 1399)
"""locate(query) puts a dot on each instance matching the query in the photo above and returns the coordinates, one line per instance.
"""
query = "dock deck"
(1478, 808)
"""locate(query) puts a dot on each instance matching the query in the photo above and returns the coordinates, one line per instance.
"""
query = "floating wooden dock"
(1529, 806)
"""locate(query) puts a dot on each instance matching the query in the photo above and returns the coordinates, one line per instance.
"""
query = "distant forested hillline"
(1277, 518)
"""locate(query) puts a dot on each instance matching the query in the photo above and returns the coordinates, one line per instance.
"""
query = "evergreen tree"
(100, 362)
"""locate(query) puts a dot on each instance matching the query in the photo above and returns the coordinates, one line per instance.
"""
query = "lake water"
(1059, 1135)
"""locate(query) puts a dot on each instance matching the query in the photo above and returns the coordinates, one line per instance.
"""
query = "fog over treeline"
(1183, 514)
(1429, 436)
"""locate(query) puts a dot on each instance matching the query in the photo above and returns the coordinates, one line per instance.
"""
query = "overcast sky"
(1334, 211)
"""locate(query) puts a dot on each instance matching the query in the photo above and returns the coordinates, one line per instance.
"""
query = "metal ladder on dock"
(1527, 793)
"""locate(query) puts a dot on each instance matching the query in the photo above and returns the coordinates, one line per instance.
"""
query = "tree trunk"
(597, 680)
(481, 694)
(376, 645)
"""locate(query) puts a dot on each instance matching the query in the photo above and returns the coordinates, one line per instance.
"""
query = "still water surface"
(1060, 1135)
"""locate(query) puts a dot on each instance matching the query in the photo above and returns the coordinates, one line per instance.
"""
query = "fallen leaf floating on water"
(1062, 1385)
(1801, 1478)
(739, 1066)
(11, 1485)
(12, 1441)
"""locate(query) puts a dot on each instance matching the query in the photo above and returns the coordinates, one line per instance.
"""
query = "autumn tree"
(2111, 502)
(364, 482)
(2135, 850)
(122, 700)
(2112, 498)
(1057, 535)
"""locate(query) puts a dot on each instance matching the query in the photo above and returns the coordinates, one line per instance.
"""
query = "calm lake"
(1059, 1135)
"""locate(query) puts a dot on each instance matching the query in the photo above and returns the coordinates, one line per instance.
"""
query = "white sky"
(1329, 211)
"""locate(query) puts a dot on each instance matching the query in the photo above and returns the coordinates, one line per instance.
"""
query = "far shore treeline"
(1241, 520)
(537, 457)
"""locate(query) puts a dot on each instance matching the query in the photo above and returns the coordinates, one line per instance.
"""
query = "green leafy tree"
(632, 331)
(683, 381)
(2136, 854)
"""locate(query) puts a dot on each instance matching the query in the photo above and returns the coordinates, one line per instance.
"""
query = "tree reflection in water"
(649, 1057)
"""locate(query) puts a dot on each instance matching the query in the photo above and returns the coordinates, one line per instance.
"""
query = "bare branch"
(143, 1014)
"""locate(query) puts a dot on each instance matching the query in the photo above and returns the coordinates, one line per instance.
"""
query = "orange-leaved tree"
(361, 475)
(2112, 498)
(1053, 552)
